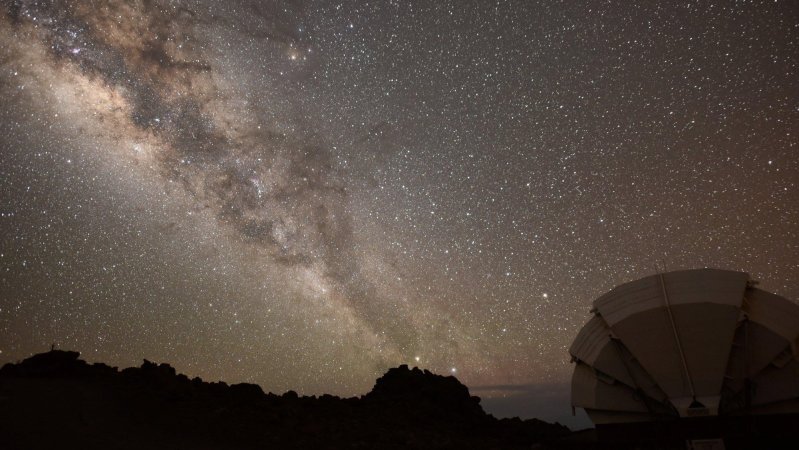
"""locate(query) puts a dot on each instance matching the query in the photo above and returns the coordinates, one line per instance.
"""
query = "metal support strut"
(677, 337)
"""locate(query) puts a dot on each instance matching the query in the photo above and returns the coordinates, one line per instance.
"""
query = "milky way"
(303, 195)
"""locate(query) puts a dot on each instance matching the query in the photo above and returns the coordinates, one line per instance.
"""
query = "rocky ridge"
(55, 399)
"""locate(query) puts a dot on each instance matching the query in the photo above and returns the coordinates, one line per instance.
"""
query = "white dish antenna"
(690, 343)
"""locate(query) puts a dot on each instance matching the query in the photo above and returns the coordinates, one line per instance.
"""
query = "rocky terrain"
(56, 400)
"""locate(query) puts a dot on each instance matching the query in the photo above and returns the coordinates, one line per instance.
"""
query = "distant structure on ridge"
(689, 355)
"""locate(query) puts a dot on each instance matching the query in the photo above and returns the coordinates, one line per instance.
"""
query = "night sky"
(302, 195)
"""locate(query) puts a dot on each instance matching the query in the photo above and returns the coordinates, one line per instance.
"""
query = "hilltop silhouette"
(57, 400)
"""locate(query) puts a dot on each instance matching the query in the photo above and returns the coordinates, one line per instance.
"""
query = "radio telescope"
(673, 350)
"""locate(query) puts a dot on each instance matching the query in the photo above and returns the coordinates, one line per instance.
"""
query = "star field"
(304, 194)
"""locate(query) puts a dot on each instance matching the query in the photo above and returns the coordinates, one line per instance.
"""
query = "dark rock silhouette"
(414, 388)
(56, 400)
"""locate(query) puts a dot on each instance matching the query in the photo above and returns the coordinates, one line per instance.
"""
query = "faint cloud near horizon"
(548, 402)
